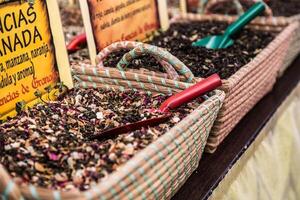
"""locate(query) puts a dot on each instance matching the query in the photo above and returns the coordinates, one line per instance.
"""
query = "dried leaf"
(39, 167)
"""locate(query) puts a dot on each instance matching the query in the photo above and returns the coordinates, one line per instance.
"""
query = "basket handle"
(8, 189)
(210, 4)
(160, 54)
(129, 45)
(117, 46)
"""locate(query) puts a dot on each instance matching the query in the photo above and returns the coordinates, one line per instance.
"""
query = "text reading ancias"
(19, 19)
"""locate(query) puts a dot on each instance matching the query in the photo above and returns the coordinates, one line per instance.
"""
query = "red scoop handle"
(173, 102)
(130, 127)
(77, 43)
(191, 93)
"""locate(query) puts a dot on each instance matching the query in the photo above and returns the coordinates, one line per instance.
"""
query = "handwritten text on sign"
(27, 60)
(122, 20)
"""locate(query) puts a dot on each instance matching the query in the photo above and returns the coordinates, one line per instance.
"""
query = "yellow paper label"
(27, 56)
(114, 21)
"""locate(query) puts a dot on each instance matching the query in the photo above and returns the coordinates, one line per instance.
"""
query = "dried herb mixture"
(48, 145)
(203, 62)
(284, 8)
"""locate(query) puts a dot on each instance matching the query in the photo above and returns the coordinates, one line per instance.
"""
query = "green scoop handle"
(243, 20)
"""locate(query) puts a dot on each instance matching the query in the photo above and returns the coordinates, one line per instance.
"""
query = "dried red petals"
(48, 146)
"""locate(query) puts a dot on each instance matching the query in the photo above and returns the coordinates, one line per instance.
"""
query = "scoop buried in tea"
(77, 43)
(225, 40)
(165, 109)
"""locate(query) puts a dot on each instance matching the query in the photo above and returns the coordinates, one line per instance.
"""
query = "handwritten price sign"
(108, 21)
(28, 51)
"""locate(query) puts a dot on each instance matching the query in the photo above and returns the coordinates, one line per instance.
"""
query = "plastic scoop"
(171, 103)
(225, 40)
(77, 43)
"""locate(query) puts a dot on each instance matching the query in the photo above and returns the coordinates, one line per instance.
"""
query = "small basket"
(280, 21)
(159, 170)
(254, 80)
(247, 86)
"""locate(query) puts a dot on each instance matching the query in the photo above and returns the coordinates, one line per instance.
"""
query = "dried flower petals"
(47, 145)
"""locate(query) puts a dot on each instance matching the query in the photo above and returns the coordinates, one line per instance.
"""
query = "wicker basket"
(243, 89)
(248, 85)
(156, 172)
(294, 48)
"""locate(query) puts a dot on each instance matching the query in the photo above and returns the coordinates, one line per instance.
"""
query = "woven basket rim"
(261, 20)
(294, 18)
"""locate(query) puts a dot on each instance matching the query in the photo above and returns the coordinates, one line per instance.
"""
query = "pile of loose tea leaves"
(229, 8)
(71, 15)
(48, 145)
(80, 57)
(285, 8)
(203, 62)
